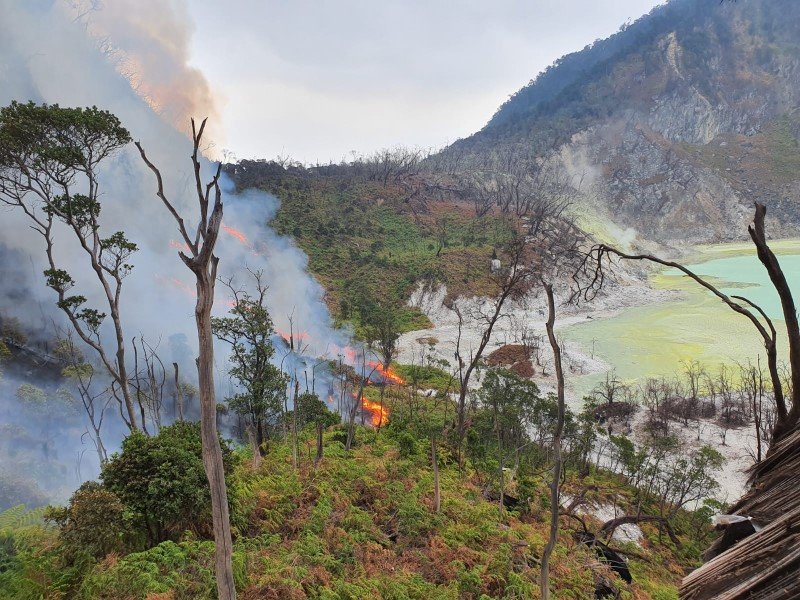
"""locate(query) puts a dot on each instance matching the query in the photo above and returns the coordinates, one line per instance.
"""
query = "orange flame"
(186, 288)
(348, 352)
(388, 374)
(242, 239)
(182, 246)
(178, 284)
(378, 415)
(235, 233)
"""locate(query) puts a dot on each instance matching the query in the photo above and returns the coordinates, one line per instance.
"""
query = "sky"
(316, 80)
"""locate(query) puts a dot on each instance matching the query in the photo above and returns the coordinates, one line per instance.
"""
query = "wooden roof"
(765, 564)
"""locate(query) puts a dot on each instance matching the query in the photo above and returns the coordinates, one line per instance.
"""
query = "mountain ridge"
(676, 123)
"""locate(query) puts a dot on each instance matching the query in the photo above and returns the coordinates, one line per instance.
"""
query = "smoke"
(130, 58)
(148, 42)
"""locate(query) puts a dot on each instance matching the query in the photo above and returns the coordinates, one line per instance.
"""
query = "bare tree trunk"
(351, 421)
(200, 259)
(294, 422)
(251, 436)
(98, 442)
(554, 485)
(179, 392)
(786, 420)
(212, 453)
(437, 492)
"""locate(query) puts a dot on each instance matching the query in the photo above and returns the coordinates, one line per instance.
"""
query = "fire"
(178, 284)
(347, 351)
(388, 374)
(379, 415)
(242, 239)
(182, 246)
(235, 233)
(185, 288)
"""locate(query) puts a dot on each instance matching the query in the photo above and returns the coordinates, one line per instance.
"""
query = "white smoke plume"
(148, 42)
(56, 53)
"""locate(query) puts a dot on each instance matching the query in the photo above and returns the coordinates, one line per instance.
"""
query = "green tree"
(248, 330)
(380, 326)
(161, 479)
(49, 169)
(507, 411)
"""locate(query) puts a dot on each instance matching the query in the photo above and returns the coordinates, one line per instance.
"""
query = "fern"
(18, 517)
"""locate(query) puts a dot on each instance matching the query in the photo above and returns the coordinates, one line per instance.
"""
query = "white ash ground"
(738, 450)
(415, 348)
(518, 317)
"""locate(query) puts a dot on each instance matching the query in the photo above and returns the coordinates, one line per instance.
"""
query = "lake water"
(749, 279)
(657, 340)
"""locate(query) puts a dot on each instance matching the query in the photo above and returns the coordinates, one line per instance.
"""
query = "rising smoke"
(87, 54)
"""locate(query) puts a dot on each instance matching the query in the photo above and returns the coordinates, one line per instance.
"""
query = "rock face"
(675, 124)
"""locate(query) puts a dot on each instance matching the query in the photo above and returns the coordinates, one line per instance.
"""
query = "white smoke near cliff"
(47, 55)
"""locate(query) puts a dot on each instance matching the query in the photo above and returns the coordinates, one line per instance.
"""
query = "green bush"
(161, 480)
(93, 523)
(407, 444)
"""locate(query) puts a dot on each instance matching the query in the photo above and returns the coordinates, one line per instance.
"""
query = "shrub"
(407, 444)
(162, 481)
(93, 523)
(180, 571)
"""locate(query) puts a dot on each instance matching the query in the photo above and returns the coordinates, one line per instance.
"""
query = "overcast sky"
(317, 79)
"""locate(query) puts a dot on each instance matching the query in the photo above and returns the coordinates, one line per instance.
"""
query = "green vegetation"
(262, 386)
(427, 377)
(161, 482)
(362, 524)
(367, 239)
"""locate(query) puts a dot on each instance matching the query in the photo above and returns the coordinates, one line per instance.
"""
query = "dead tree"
(149, 379)
(513, 282)
(202, 261)
(556, 243)
(179, 402)
(557, 461)
(595, 266)
(94, 403)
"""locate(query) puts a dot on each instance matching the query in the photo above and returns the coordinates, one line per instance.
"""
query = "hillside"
(373, 236)
(675, 124)
(668, 131)
(341, 451)
(356, 524)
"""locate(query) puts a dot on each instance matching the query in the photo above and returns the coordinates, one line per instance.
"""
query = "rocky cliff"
(675, 124)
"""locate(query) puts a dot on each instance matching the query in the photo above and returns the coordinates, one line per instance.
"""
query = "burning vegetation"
(388, 374)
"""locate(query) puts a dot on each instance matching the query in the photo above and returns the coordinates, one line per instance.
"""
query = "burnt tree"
(595, 266)
(201, 260)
